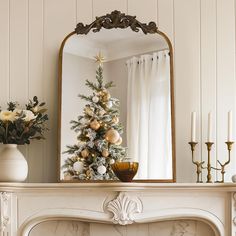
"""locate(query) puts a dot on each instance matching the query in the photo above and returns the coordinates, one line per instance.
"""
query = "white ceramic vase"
(13, 166)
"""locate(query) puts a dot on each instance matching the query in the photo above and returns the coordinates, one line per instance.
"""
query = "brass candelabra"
(209, 167)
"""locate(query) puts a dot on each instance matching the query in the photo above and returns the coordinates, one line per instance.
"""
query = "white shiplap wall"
(203, 36)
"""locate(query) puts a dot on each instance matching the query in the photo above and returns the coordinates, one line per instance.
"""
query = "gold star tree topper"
(100, 59)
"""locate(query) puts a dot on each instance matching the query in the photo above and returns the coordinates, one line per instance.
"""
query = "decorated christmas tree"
(98, 133)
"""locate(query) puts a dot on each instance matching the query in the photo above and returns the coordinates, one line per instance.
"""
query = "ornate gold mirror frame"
(114, 20)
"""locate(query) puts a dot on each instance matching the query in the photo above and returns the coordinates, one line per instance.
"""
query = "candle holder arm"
(199, 164)
(222, 169)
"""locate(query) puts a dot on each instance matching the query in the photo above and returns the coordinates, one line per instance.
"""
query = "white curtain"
(149, 115)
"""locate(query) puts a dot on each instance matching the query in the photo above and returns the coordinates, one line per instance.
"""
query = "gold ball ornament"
(102, 93)
(105, 153)
(106, 97)
(119, 142)
(112, 136)
(88, 173)
(95, 125)
(88, 111)
(85, 153)
(67, 176)
(115, 120)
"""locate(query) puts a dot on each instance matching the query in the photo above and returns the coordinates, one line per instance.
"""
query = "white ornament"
(109, 104)
(124, 208)
(102, 170)
(78, 166)
(234, 178)
(95, 99)
(112, 161)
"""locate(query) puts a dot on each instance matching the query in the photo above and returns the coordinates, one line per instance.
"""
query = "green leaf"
(42, 110)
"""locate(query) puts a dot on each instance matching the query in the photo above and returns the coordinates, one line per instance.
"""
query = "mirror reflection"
(139, 66)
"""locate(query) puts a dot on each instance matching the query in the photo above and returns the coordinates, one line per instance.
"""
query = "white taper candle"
(209, 134)
(229, 126)
(193, 127)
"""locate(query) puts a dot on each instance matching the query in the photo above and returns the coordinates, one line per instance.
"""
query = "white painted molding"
(123, 208)
(27, 205)
(4, 211)
(61, 214)
(118, 186)
(100, 217)
(233, 210)
(183, 213)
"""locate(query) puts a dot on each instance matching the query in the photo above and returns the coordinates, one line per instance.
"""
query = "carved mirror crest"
(138, 58)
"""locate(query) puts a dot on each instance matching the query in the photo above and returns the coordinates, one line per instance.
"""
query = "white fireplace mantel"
(23, 206)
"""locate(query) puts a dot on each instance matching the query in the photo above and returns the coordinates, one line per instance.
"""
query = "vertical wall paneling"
(4, 49)
(35, 149)
(59, 20)
(226, 88)
(144, 10)
(203, 36)
(208, 73)
(84, 11)
(19, 55)
(165, 16)
(187, 82)
(19, 50)
(101, 7)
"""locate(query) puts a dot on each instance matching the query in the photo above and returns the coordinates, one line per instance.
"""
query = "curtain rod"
(155, 51)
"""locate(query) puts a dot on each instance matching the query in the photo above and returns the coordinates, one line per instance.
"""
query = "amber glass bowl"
(125, 171)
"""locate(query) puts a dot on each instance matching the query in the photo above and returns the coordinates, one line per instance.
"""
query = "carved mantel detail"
(123, 208)
(234, 208)
(4, 210)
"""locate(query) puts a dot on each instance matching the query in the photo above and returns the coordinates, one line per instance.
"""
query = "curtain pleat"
(149, 115)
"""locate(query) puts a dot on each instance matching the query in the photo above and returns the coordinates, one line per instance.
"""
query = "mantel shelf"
(117, 186)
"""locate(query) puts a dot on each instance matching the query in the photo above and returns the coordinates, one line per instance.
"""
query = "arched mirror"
(138, 58)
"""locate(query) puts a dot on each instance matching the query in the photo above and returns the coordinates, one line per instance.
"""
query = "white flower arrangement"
(19, 126)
